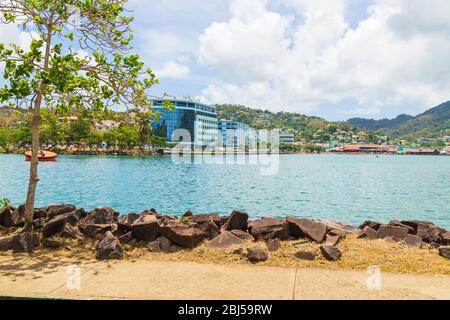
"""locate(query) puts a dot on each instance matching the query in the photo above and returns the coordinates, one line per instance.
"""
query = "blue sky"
(335, 59)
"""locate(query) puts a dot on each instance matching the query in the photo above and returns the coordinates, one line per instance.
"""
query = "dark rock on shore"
(399, 224)
(445, 252)
(238, 220)
(305, 255)
(127, 237)
(202, 218)
(185, 236)
(446, 239)
(109, 248)
(368, 233)
(330, 253)
(269, 228)
(5, 244)
(187, 214)
(243, 235)
(257, 254)
(338, 226)
(162, 244)
(371, 224)
(428, 231)
(332, 240)
(51, 244)
(211, 229)
(413, 240)
(25, 242)
(305, 228)
(6, 219)
(58, 209)
(124, 222)
(56, 224)
(273, 245)
(95, 230)
(146, 228)
(397, 233)
(39, 223)
(224, 241)
(40, 213)
(103, 215)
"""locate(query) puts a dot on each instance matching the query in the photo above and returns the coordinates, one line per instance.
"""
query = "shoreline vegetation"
(415, 247)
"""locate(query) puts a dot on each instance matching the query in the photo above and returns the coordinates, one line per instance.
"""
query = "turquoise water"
(339, 187)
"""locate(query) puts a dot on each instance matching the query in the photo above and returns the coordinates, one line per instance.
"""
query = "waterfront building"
(234, 134)
(105, 125)
(200, 121)
(287, 138)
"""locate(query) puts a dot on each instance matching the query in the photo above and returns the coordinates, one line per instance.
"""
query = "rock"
(39, 223)
(102, 215)
(224, 241)
(243, 235)
(394, 232)
(95, 230)
(332, 240)
(337, 232)
(25, 242)
(185, 236)
(187, 214)
(146, 228)
(257, 254)
(124, 222)
(51, 244)
(109, 248)
(236, 221)
(56, 224)
(446, 239)
(413, 240)
(342, 227)
(162, 244)
(273, 245)
(69, 231)
(444, 251)
(202, 218)
(368, 232)
(40, 213)
(6, 216)
(58, 209)
(428, 231)
(305, 228)
(127, 237)
(18, 216)
(330, 253)
(305, 255)
(269, 228)
(167, 218)
(399, 224)
(211, 229)
(371, 224)
(5, 244)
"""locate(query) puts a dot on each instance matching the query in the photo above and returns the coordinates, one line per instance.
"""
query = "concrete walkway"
(47, 277)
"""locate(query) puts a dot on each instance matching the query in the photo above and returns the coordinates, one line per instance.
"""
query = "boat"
(43, 156)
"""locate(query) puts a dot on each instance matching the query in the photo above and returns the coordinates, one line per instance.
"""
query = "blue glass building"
(199, 119)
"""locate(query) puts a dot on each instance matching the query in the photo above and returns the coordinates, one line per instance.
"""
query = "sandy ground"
(68, 276)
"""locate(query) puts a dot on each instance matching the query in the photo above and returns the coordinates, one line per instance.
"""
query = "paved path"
(46, 277)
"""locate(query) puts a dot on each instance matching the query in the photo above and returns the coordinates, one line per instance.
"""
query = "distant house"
(105, 126)
(70, 119)
(424, 152)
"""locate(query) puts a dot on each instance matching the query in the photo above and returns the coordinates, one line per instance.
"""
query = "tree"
(79, 58)
(5, 138)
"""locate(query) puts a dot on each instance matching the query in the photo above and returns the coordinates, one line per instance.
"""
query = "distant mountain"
(427, 124)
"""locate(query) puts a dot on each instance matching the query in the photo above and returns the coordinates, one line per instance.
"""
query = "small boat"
(43, 156)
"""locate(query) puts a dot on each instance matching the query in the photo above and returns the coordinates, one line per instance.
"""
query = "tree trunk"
(35, 144)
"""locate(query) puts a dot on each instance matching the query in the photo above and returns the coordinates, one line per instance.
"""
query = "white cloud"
(172, 69)
(397, 56)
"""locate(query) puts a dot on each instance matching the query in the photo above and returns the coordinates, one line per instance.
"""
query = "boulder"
(51, 244)
(273, 245)
(56, 224)
(25, 242)
(224, 241)
(257, 254)
(305, 228)
(202, 218)
(342, 227)
(102, 215)
(69, 231)
(330, 253)
(444, 251)
(395, 232)
(332, 240)
(5, 244)
(305, 255)
(39, 213)
(162, 244)
(146, 228)
(236, 221)
(6, 216)
(413, 240)
(124, 222)
(337, 232)
(428, 231)
(183, 235)
(399, 224)
(211, 229)
(127, 237)
(58, 209)
(39, 223)
(446, 239)
(18, 216)
(109, 248)
(269, 228)
(95, 230)
(371, 224)
(368, 233)
(243, 235)
(187, 214)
